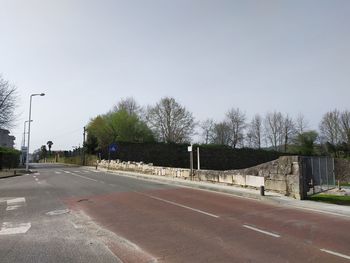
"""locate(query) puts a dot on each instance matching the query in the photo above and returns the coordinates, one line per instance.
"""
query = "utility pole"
(198, 160)
(84, 145)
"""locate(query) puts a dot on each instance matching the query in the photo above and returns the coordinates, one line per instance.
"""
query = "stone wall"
(281, 175)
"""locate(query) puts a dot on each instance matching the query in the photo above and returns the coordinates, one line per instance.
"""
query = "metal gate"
(318, 174)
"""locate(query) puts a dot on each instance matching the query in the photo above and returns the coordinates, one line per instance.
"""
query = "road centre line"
(261, 231)
(82, 176)
(335, 253)
(180, 205)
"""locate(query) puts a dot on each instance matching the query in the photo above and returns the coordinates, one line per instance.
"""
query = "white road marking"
(15, 203)
(262, 231)
(57, 172)
(82, 176)
(36, 179)
(9, 228)
(335, 253)
(180, 205)
(37, 174)
(76, 171)
(320, 211)
(67, 172)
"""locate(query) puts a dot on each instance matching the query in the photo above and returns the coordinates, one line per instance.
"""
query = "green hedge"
(9, 158)
(212, 157)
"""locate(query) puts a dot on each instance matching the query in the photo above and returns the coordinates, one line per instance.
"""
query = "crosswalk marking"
(9, 228)
(15, 203)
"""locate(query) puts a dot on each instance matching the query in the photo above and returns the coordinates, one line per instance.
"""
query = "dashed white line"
(335, 253)
(9, 228)
(67, 172)
(57, 172)
(180, 205)
(261, 231)
(82, 176)
(36, 179)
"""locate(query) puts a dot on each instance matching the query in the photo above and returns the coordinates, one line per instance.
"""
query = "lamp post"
(30, 117)
(24, 133)
(24, 153)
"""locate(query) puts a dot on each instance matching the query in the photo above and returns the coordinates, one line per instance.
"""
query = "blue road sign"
(113, 147)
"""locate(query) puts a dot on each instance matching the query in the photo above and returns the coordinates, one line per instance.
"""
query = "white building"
(6, 140)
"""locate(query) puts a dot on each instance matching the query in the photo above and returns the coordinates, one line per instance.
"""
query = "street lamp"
(30, 117)
(24, 153)
(24, 133)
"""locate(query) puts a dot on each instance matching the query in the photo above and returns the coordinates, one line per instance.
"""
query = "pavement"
(78, 214)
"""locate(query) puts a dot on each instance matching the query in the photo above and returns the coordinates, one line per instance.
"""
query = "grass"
(332, 199)
(344, 184)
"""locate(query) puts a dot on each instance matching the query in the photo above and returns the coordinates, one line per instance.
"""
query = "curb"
(267, 198)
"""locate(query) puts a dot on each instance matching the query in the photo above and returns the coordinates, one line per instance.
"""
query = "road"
(76, 214)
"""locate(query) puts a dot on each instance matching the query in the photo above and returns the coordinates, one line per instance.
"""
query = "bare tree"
(301, 124)
(207, 127)
(221, 133)
(273, 127)
(254, 134)
(345, 126)
(288, 130)
(8, 99)
(129, 105)
(330, 127)
(236, 121)
(170, 121)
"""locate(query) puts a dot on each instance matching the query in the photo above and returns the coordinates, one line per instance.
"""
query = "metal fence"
(318, 173)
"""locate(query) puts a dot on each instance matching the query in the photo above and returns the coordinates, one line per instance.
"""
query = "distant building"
(6, 140)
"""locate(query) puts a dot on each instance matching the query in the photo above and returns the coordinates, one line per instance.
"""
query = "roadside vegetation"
(332, 199)
(9, 158)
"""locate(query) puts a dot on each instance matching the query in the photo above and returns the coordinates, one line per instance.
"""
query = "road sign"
(113, 147)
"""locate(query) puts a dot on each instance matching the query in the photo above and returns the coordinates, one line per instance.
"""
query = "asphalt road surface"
(76, 214)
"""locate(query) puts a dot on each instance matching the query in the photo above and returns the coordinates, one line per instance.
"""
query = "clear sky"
(291, 56)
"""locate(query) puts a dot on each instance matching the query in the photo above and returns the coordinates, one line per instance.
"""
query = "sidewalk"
(12, 172)
(270, 197)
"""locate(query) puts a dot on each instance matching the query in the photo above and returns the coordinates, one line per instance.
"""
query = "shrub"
(9, 158)
(212, 157)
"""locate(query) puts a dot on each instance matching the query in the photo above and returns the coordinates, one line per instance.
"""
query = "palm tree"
(49, 144)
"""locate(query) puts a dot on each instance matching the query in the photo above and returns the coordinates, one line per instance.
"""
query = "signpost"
(189, 149)
(113, 147)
